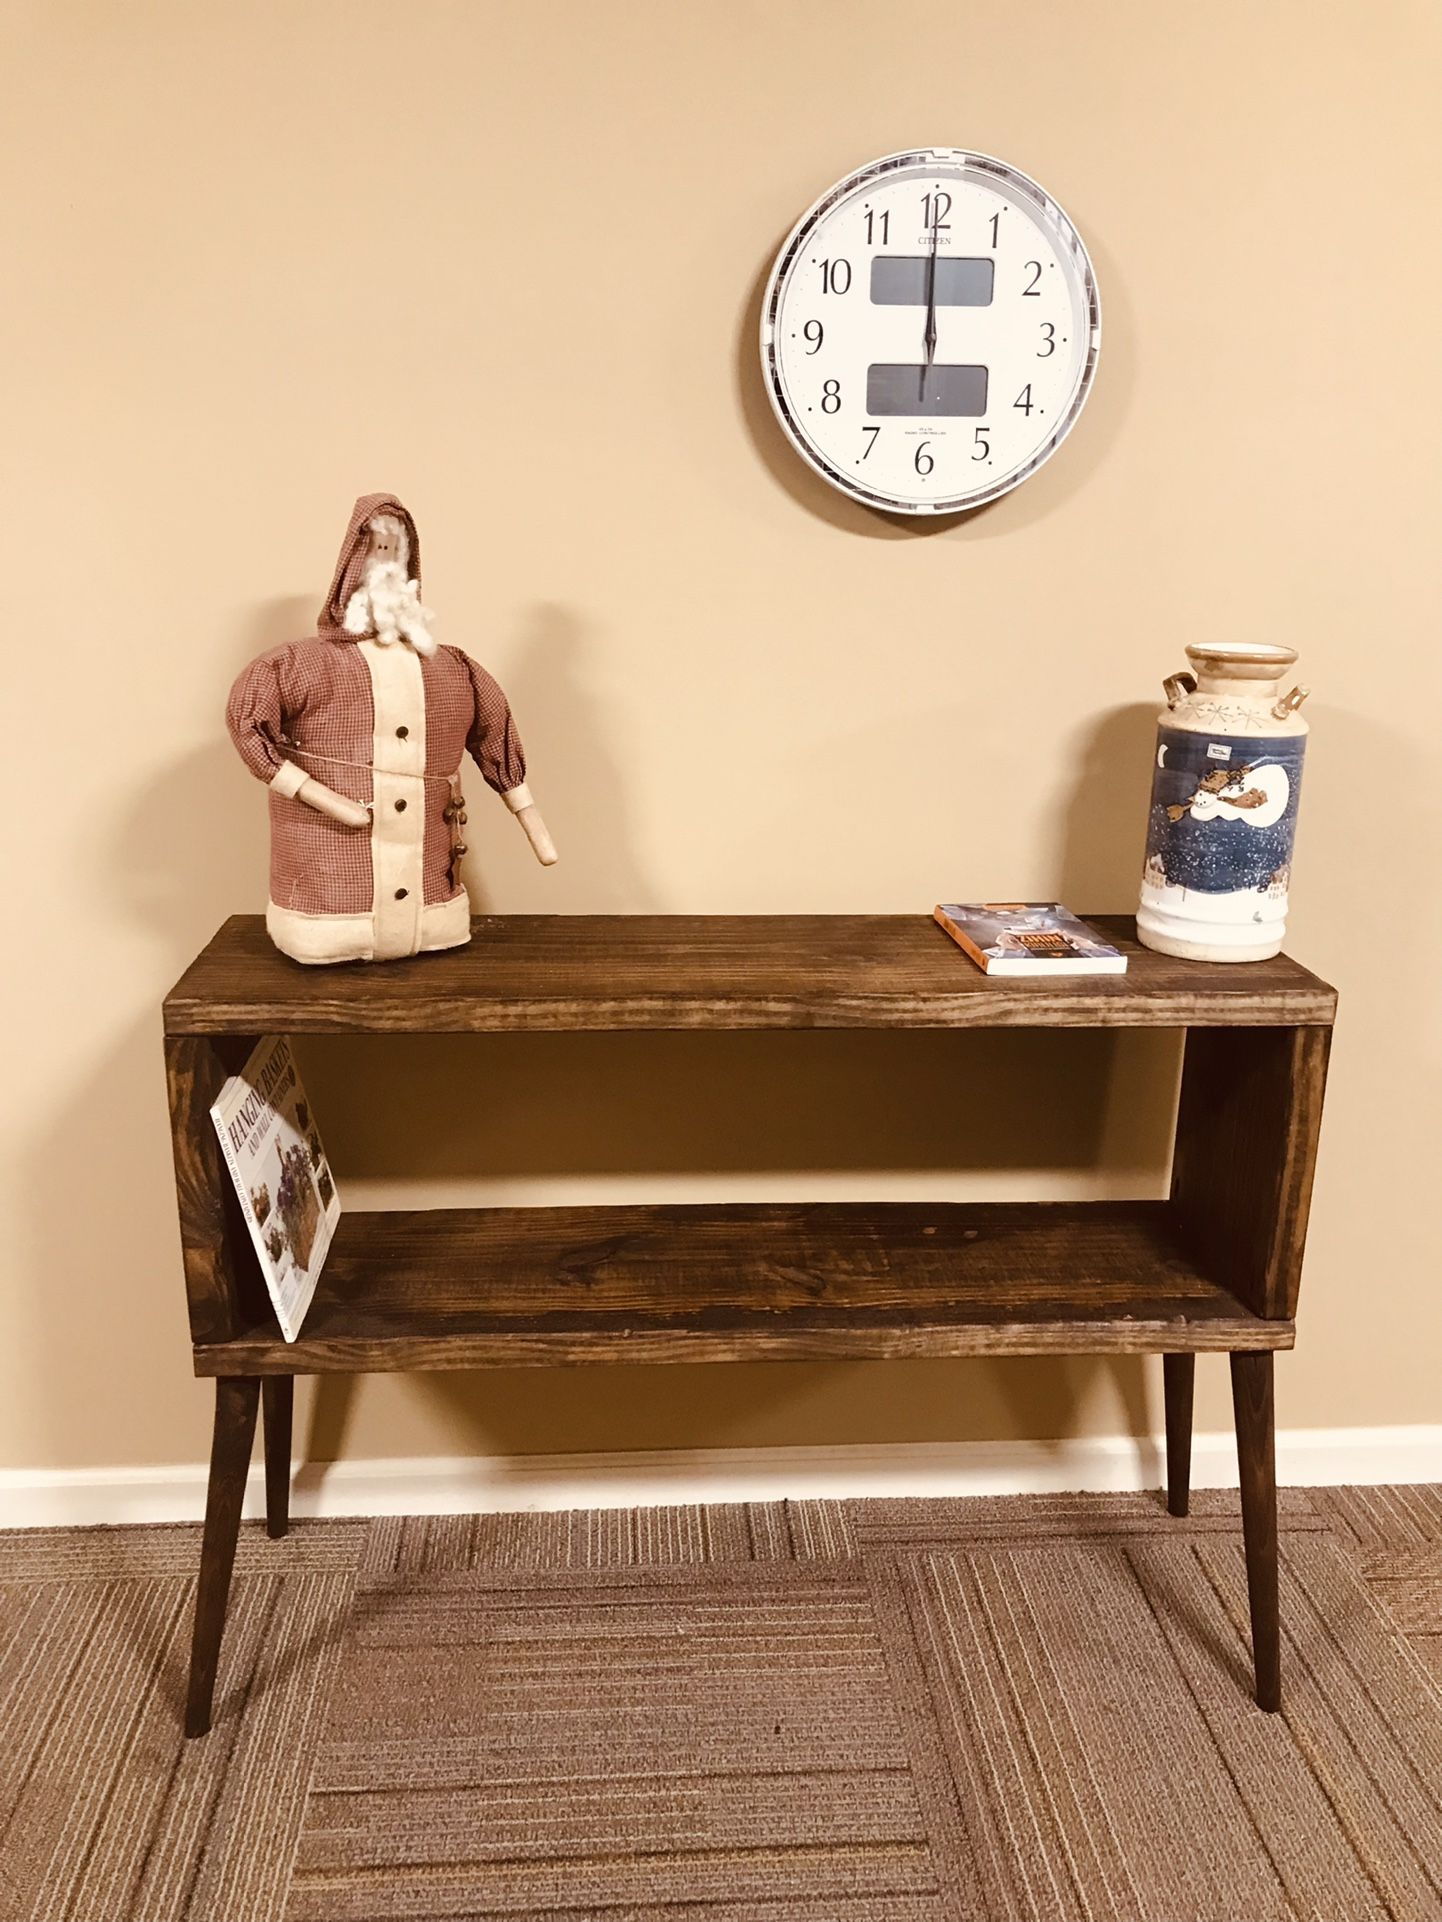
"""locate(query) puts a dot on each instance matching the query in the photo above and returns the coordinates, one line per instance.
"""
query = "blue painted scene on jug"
(1224, 812)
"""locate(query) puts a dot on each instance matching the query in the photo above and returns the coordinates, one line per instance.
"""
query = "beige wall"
(507, 261)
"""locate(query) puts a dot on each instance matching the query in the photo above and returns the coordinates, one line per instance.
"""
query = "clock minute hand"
(931, 300)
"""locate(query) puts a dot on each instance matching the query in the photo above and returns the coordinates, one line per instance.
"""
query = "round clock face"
(930, 330)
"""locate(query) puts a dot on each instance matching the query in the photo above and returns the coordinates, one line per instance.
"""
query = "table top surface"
(554, 973)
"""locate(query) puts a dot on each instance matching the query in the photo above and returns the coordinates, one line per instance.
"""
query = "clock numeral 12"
(942, 203)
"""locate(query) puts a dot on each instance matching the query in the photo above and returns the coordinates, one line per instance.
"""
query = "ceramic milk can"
(1224, 806)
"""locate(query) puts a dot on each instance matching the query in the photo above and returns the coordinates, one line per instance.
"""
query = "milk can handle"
(1178, 684)
(1289, 703)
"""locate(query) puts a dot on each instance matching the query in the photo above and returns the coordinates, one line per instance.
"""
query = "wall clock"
(930, 331)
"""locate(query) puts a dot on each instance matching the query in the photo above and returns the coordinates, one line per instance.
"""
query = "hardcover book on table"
(1028, 938)
(287, 1192)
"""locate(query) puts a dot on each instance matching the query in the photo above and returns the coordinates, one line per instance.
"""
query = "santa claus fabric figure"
(358, 732)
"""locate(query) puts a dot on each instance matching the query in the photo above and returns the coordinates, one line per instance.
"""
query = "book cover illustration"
(1028, 937)
(287, 1192)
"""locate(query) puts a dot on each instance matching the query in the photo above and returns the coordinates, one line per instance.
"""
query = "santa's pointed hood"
(351, 561)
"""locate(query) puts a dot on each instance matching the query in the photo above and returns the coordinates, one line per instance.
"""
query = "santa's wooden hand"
(542, 845)
(325, 800)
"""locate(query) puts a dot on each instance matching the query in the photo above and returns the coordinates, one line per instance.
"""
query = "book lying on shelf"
(287, 1191)
(1028, 937)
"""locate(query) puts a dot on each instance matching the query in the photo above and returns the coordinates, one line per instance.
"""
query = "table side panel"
(224, 1287)
(1247, 1130)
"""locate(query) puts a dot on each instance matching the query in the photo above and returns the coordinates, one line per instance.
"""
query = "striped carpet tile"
(1086, 1787)
(755, 1712)
(720, 1737)
(1363, 1713)
(949, 1519)
(578, 1538)
(1294, 1817)
(100, 1554)
(1383, 1523)
(1091, 1785)
(1393, 1539)
(611, 1537)
(111, 1813)
(246, 1869)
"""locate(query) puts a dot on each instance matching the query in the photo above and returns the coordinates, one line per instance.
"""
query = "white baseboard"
(438, 1485)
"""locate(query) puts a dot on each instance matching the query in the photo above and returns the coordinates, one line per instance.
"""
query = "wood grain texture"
(469, 1288)
(223, 1282)
(1247, 1129)
(552, 973)
(1217, 1267)
(278, 1412)
(233, 1438)
(1179, 1374)
(1252, 1406)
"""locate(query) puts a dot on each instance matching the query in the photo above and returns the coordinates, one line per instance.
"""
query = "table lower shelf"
(505, 1287)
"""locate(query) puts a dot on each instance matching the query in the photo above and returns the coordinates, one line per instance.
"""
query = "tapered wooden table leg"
(277, 1401)
(1178, 1374)
(1257, 1461)
(236, 1399)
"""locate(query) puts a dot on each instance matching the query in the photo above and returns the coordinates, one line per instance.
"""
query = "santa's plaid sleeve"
(253, 715)
(494, 744)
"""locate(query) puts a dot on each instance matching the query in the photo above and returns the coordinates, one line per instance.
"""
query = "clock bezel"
(1067, 239)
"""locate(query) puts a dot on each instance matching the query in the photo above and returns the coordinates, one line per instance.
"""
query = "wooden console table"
(1215, 1267)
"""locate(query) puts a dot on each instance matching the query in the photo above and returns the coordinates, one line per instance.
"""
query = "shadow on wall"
(749, 1116)
(193, 847)
(1102, 831)
(761, 1115)
(747, 1111)
(189, 849)
(452, 1088)
(577, 784)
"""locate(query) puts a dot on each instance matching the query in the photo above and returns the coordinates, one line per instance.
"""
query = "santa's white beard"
(388, 606)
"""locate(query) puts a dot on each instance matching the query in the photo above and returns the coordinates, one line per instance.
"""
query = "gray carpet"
(833, 1712)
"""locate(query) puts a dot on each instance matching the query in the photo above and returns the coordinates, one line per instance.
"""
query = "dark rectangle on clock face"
(928, 391)
(903, 280)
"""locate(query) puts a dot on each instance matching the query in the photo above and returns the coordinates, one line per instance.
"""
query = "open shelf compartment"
(503, 1287)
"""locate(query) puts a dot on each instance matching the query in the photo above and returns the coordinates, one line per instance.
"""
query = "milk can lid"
(1221, 655)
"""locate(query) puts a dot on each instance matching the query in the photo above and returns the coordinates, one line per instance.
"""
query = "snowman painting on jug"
(1258, 796)
(1224, 807)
